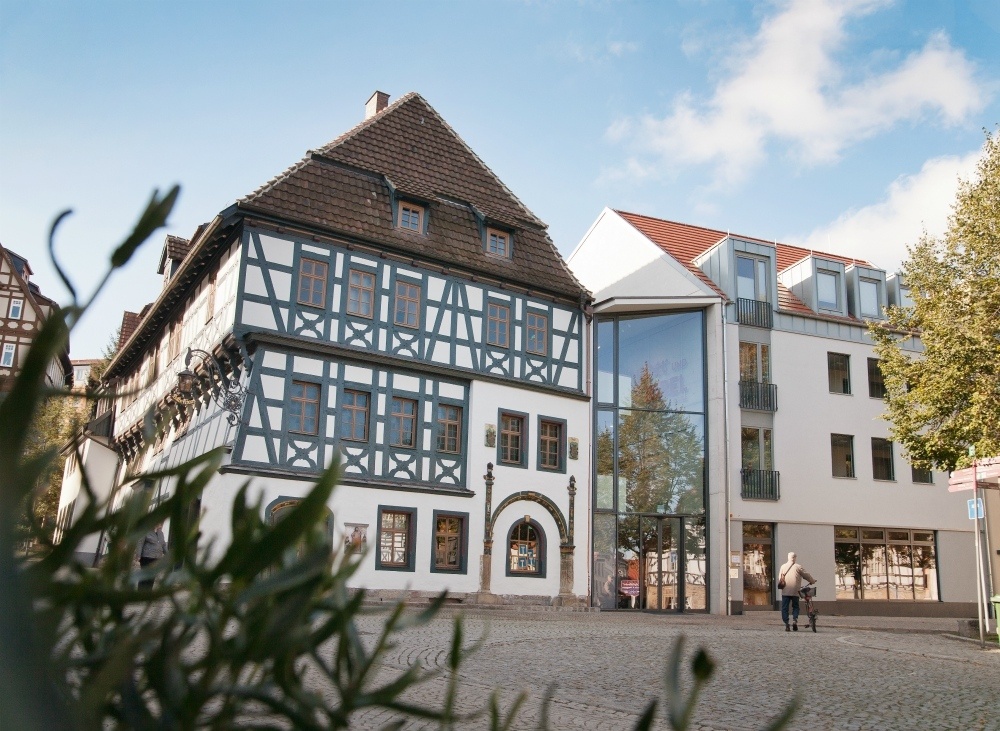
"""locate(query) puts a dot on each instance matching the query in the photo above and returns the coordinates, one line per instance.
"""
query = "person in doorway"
(152, 548)
(790, 578)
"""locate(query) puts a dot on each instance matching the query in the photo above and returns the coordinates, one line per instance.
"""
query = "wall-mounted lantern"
(204, 374)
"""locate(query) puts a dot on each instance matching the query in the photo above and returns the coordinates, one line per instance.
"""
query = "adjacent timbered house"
(388, 300)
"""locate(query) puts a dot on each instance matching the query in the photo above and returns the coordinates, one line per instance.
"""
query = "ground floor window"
(396, 538)
(652, 562)
(885, 564)
(450, 542)
(527, 549)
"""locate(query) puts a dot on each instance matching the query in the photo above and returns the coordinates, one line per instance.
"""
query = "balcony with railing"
(759, 485)
(758, 396)
(754, 312)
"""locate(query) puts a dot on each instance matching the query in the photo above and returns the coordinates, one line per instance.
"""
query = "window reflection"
(667, 349)
(661, 458)
(886, 564)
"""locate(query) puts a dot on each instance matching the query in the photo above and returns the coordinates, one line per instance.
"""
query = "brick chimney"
(378, 101)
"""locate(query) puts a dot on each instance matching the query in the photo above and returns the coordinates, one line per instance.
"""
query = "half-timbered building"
(389, 301)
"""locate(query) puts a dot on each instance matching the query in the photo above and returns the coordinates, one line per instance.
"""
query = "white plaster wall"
(101, 466)
(615, 260)
(806, 417)
(956, 554)
(719, 459)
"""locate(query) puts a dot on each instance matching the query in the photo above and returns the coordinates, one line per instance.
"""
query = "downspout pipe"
(725, 459)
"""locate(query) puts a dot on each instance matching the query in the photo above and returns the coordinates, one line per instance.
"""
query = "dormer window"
(827, 289)
(869, 298)
(498, 243)
(411, 217)
(751, 278)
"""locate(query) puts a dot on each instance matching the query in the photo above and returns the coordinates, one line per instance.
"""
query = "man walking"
(151, 550)
(790, 581)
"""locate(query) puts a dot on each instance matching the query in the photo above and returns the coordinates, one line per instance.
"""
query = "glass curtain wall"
(650, 545)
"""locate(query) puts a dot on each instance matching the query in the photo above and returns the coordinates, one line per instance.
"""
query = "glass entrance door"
(758, 565)
(661, 564)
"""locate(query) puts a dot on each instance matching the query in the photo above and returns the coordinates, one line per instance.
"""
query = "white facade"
(791, 499)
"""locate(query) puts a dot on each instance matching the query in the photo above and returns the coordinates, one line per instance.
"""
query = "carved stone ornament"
(491, 435)
(574, 448)
(355, 536)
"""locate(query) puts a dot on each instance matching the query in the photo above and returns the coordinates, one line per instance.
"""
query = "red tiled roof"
(685, 243)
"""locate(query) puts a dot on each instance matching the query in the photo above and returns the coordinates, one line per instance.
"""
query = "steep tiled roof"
(130, 321)
(345, 187)
(177, 248)
(685, 243)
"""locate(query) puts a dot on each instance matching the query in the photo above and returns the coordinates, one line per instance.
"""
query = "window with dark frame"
(407, 310)
(511, 434)
(537, 331)
(449, 422)
(921, 476)
(842, 450)
(395, 539)
(448, 542)
(360, 293)
(839, 372)
(312, 282)
(882, 459)
(755, 362)
(354, 416)
(497, 325)
(303, 408)
(525, 552)
(403, 423)
(498, 243)
(411, 217)
(876, 381)
(550, 445)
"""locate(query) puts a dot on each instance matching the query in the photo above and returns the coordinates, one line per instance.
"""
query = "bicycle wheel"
(812, 620)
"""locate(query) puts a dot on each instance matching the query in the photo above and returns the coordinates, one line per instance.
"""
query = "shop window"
(885, 564)
(303, 408)
(450, 543)
(526, 554)
(396, 538)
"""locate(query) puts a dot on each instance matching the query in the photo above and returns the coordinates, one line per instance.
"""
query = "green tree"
(947, 399)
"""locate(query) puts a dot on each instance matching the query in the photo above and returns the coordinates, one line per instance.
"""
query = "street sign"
(987, 472)
(975, 508)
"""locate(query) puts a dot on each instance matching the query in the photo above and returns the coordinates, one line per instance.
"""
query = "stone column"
(484, 595)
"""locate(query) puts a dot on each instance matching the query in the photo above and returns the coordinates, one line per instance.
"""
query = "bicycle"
(807, 592)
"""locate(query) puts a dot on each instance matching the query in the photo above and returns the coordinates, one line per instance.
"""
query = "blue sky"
(837, 125)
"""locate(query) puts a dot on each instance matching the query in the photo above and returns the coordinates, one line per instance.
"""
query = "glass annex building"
(650, 462)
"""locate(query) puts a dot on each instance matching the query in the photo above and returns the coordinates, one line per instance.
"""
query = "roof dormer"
(897, 291)
(174, 250)
(820, 283)
(747, 272)
(866, 292)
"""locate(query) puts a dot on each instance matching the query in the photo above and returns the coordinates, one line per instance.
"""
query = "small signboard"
(986, 472)
(975, 508)
(629, 587)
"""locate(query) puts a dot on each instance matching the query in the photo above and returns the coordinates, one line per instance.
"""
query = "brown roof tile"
(130, 321)
(344, 186)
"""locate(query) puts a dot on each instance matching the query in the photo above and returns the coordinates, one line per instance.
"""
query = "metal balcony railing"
(758, 396)
(755, 313)
(760, 485)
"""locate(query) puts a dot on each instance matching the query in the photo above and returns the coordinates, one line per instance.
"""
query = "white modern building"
(386, 299)
(737, 417)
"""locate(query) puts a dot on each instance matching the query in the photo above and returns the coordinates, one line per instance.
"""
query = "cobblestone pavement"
(605, 667)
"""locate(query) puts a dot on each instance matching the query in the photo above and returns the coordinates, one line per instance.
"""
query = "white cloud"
(786, 86)
(912, 204)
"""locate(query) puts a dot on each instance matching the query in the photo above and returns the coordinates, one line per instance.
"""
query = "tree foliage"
(947, 399)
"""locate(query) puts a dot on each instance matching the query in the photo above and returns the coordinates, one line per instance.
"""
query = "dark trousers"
(794, 601)
(143, 563)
